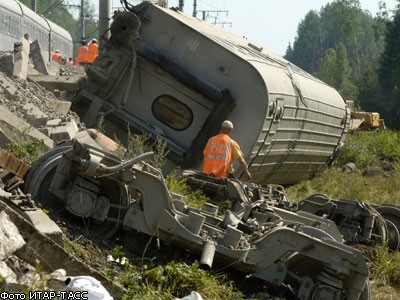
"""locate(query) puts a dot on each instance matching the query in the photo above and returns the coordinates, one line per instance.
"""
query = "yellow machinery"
(365, 121)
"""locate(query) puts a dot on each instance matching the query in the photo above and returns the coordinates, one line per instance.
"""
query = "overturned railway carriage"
(16, 19)
(182, 77)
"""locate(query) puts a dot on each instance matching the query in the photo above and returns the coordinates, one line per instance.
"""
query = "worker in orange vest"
(81, 58)
(56, 56)
(93, 51)
(220, 153)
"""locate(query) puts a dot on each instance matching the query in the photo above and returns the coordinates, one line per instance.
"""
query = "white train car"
(16, 19)
(190, 76)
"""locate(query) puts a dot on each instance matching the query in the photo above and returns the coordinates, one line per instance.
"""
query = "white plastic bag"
(94, 289)
(193, 296)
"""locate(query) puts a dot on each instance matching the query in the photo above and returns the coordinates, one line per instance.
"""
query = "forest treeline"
(355, 52)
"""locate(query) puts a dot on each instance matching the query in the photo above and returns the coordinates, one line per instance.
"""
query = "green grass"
(366, 151)
(168, 281)
(362, 148)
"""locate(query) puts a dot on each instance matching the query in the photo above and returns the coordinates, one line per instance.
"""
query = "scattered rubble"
(28, 237)
(33, 110)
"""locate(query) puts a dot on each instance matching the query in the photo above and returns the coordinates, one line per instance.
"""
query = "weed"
(387, 266)
(178, 185)
(28, 150)
(23, 146)
(179, 279)
(118, 253)
(76, 249)
(100, 125)
(362, 148)
(139, 144)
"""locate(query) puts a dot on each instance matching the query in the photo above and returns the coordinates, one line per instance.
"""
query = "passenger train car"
(16, 19)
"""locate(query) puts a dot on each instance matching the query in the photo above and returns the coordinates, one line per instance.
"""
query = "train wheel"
(38, 179)
(391, 215)
(380, 232)
(309, 280)
(115, 196)
(366, 292)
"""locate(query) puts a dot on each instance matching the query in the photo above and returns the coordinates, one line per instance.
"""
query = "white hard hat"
(227, 124)
(94, 40)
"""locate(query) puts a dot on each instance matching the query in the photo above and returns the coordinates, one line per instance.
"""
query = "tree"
(307, 52)
(328, 68)
(389, 73)
(335, 71)
(342, 21)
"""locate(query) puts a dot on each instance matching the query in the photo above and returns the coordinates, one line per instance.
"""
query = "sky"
(270, 23)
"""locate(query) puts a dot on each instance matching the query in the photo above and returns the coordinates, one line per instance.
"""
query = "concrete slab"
(34, 115)
(44, 224)
(53, 68)
(53, 123)
(65, 132)
(9, 89)
(62, 107)
(7, 274)
(10, 239)
(8, 117)
(62, 83)
(37, 58)
(4, 139)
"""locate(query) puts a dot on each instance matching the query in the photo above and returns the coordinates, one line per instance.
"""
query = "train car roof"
(261, 59)
(11, 6)
(27, 12)
(59, 30)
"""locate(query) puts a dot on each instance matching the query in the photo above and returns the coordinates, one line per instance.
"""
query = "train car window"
(172, 112)
(18, 27)
(7, 24)
(13, 29)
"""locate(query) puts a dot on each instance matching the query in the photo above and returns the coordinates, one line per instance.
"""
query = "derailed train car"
(178, 78)
(300, 253)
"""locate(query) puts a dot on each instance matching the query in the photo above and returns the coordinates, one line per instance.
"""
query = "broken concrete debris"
(34, 115)
(22, 126)
(28, 108)
(10, 239)
(21, 240)
(27, 235)
(66, 83)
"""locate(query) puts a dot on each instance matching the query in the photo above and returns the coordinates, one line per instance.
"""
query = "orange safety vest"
(56, 57)
(93, 52)
(82, 55)
(218, 155)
